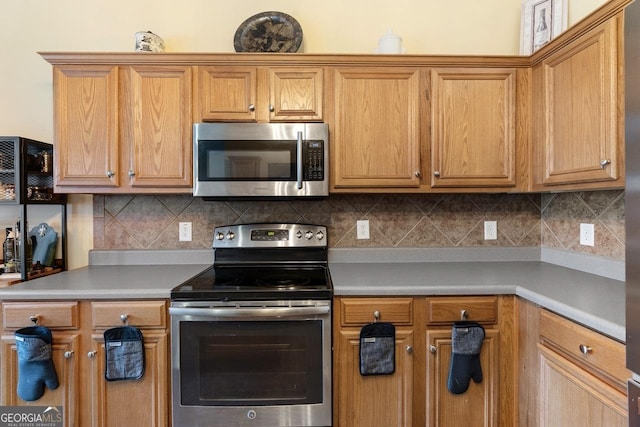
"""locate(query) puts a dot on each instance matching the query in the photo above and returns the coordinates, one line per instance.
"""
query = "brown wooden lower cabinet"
(416, 393)
(78, 354)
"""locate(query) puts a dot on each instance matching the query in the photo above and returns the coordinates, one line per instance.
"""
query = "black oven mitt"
(377, 349)
(124, 350)
(466, 341)
(35, 365)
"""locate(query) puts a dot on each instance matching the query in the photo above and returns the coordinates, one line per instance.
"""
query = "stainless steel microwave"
(264, 160)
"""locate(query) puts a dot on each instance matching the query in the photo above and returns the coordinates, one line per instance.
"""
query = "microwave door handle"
(299, 160)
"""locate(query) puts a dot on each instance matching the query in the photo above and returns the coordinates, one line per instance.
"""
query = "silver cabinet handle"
(34, 318)
(376, 315)
(110, 174)
(433, 349)
(68, 354)
(604, 163)
(417, 174)
(131, 173)
(252, 107)
(409, 349)
(464, 314)
(585, 349)
(92, 354)
(436, 174)
(124, 318)
(272, 108)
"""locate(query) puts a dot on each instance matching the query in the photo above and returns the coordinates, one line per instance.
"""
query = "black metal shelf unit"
(26, 178)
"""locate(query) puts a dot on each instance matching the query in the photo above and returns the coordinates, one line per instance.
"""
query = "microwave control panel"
(314, 161)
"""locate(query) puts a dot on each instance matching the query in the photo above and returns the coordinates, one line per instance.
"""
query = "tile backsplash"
(396, 220)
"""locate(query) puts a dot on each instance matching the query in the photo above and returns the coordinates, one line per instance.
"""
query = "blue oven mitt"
(466, 341)
(35, 366)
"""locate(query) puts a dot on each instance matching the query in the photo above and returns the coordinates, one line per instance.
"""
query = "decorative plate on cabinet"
(268, 32)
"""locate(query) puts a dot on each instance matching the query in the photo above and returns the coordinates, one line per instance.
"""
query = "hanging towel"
(124, 350)
(377, 349)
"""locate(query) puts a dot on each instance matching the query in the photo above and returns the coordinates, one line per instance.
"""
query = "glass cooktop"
(257, 282)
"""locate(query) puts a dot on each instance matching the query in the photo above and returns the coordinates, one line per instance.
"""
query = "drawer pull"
(92, 354)
(376, 315)
(68, 354)
(464, 314)
(433, 349)
(124, 318)
(409, 349)
(34, 318)
(585, 349)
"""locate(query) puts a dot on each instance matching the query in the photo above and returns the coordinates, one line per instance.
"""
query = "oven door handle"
(248, 311)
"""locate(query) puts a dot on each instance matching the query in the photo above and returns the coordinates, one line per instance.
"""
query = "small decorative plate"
(268, 32)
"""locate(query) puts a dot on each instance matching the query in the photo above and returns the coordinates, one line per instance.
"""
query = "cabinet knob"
(252, 107)
(604, 163)
(131, 173)
(409, 349)
(124, 318)
(436, 174)
(417, 174)
(34, 318)
(376, 315)
(585, 349)
(91, 354)
(110, 174)
(272, 108)
(433, 349)
(464, 314)
(68, 354)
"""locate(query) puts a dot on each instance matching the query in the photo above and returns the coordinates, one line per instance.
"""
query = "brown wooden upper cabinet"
(473, 117)
(122, 128)
(376, 138)
(577, 98)
(258, 94)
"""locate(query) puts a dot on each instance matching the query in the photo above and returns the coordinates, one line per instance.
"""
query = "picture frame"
(542, 21)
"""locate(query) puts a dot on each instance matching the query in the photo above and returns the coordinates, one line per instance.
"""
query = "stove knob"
(319, 235)
(230, 235)
(309, 235)
(220, 235)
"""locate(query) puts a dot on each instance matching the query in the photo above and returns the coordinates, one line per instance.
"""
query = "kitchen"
(122, 222)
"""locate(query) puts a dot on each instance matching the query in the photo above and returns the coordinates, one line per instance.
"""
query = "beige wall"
(330, 26)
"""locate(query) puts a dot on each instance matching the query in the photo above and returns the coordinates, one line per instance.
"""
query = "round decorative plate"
(268, 32)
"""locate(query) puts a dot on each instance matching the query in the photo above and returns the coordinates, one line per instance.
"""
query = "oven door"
(260, 364)
(260, 159)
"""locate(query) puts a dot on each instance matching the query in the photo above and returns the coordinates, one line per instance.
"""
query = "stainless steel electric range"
(251, 335)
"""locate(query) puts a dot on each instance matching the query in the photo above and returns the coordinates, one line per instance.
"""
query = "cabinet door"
(65, 349)
(473, 142)
(381, 400)
(143, 402)
(295, 94)
(227, 94)
(86, 126)
(576, 128)
(156, 126)
(376, 139)
(478, 406)
(570, 396)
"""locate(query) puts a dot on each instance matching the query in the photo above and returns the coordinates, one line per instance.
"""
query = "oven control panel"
(270, 235)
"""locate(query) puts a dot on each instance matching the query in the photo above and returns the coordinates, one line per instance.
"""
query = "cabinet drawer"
(446, 310)
(360, 311)
(601, 355)
(53, 315)
(141, 314)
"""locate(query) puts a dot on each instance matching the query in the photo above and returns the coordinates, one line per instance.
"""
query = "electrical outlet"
(184, 230)
(490, 230)
(587, 235)
(362, 229)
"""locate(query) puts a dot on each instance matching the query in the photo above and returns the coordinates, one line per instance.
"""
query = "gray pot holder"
(124, 350)
(377, 349)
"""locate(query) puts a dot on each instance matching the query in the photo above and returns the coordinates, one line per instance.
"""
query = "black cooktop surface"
(257, 282)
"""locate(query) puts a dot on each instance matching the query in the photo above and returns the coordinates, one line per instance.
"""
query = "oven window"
(247, 160)
(245, 362)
